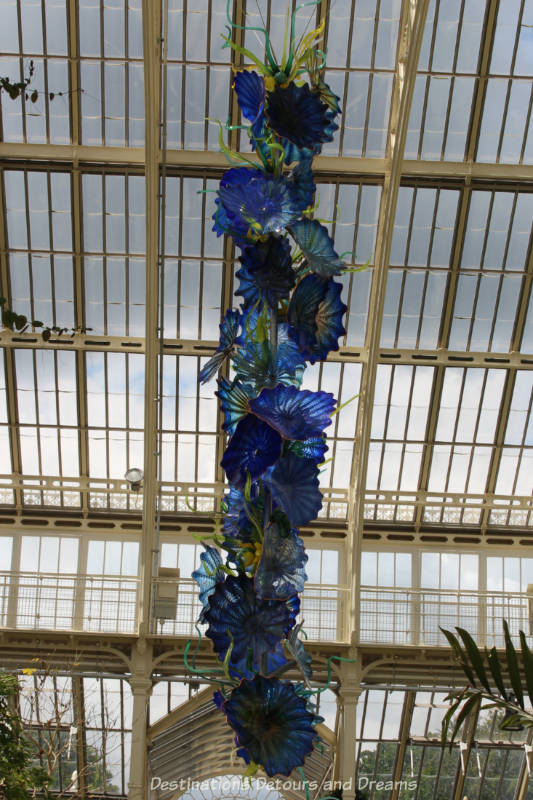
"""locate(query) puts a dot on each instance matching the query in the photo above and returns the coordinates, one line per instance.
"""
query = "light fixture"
(134, 476)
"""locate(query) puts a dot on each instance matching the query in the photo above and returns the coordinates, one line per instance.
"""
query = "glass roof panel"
(421, 244)
(445, 84)
(196, 75)
(401, 407)
(115, 415)
(515, 474)
(38, 31)
(505, 135)
(438, 125)
(498, 231)
(189, 434)
(512, 38)
(484, 312)
(193, 266)
(39, 237)
(111, 73)
(466, 430)
(47, 408)
(350, 212)
(344, 381)
(493, 260)
(361, 45)
(113, 242)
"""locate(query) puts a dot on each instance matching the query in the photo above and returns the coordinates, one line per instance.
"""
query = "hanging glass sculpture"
(291, 313)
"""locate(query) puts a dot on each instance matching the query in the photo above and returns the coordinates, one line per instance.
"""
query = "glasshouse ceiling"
(107, 197)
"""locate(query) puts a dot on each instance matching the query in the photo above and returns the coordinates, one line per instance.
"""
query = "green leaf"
(46, 334)
(248, 487)
(8, 318)
(447, 718)
(37, 323)
(512, 666)
(20, 321)
(512, 721)
(495, 668)
(458, 650)
(472, 703)
(51, 95)
(527, 657)
(475, 658)
(34, 96)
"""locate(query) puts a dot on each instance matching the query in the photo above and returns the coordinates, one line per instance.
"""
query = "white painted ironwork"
(69, 602)
(323, 610)
(399, 616)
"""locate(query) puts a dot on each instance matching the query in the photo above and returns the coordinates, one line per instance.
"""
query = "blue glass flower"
(256, 626)
(316, 245)
(233, 503)
(250, 89)
(298, 651)
(256, 203)
(303, 180)
(290, 365)
(253, 448)
(272, 723)
(294, 413)
(234, 401)
(293, 482)
(256, 365)
(224, 226)
(328, 96)
(315, 447)
(298, 114)
(281, 569)
(243, 527)
(209, 574)
(315, 317)
(266, 274)
(228, 334)
(255, 324)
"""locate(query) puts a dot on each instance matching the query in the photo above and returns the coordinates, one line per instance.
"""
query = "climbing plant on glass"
(291, 313)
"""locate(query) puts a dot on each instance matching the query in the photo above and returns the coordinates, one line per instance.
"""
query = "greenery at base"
(19, 777)
(500, 769)
(67, 765)
(24, 752)
(505, 683)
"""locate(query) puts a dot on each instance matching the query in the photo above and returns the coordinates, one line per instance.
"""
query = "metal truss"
(411, 31)
(513, 360)
(67, 156)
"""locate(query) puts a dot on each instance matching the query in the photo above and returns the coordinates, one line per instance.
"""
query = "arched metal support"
(410, 40)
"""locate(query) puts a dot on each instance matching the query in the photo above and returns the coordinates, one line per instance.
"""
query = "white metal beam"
(410, 40)
(12, 416)
(152, 67)
(342, 167)
(11, 340)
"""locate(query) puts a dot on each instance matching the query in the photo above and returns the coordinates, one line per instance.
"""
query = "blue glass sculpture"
(290, 313)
